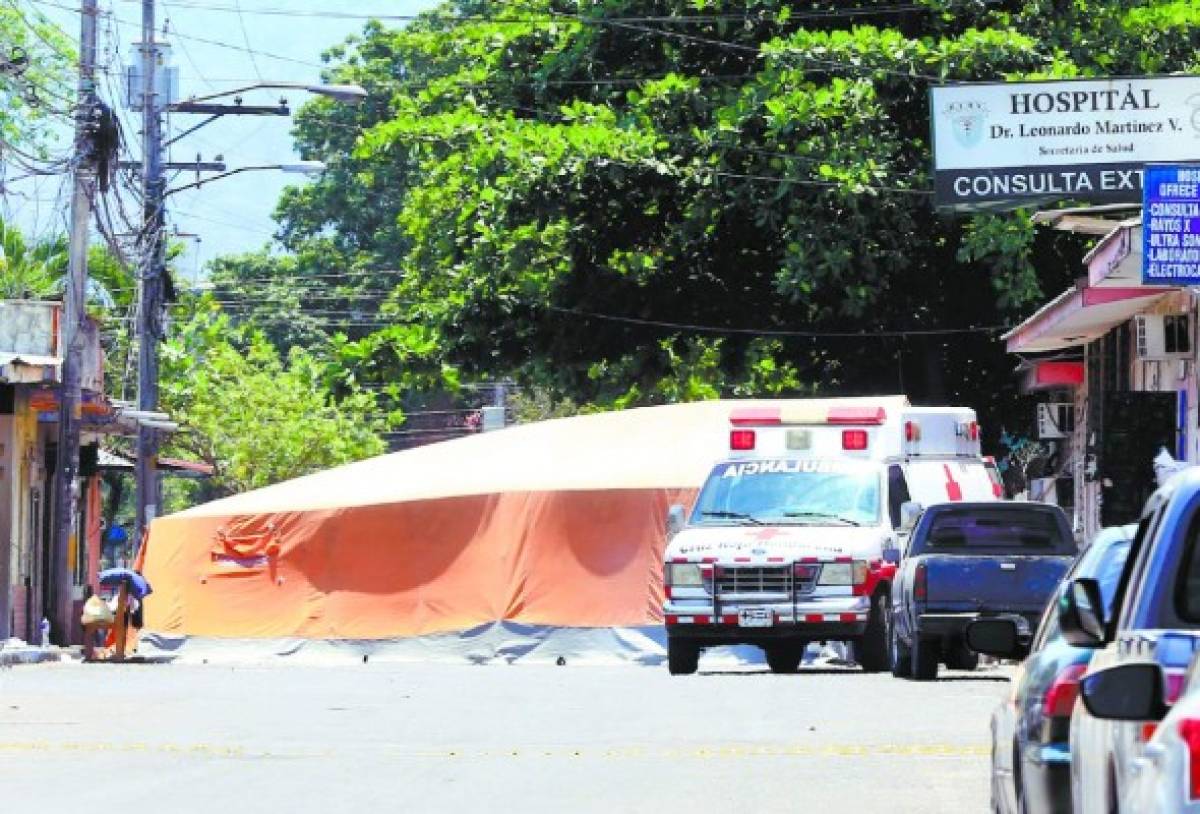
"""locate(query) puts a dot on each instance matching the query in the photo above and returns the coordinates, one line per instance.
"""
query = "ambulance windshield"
(782, 492)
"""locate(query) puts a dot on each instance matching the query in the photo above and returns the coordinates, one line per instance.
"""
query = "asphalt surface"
(436, 737)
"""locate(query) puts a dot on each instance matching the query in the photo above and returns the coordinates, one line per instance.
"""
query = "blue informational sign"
(1171, 225)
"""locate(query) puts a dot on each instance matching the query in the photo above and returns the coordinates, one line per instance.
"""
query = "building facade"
(1116, 362)
(30, 367)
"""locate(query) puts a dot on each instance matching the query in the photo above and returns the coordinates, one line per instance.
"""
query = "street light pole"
(153, 261)
(150, 288)
(66, 468)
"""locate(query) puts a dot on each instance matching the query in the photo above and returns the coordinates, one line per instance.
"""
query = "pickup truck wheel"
(873, 651)
(901, 653)
(925, 656)
(961, 657)
(682, 657)
(784, 658)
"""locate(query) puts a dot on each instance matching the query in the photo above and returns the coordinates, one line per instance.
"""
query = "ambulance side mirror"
(675, 520)
(910, 512)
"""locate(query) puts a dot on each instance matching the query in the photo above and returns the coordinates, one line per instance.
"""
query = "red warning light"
(854, 440)
(741, 440)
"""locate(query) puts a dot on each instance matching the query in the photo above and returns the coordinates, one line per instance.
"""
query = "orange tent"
(559, 523)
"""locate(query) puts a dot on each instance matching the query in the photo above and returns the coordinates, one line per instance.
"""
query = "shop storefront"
(1115, 360)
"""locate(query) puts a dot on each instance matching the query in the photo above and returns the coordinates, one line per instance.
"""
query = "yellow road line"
(709, 752)
(713, 752)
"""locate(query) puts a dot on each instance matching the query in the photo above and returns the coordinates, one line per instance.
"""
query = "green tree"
(38, 271)
(565, 186)
(29, 272)
(256, 417)
(35, 60)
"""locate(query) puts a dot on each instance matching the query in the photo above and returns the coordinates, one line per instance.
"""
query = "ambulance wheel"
(925, 656)
(901, 652)
(872, 650)
(682, 657)
(784, 658)
(961, 657)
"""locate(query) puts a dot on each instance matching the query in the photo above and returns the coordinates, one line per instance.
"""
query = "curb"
(10, 656)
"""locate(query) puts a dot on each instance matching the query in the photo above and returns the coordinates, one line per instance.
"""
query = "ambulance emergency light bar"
(778, 416)
(743, 440)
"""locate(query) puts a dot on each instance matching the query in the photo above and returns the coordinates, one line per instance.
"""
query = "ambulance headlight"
(684, 575)
(843, 573)
(837, 573)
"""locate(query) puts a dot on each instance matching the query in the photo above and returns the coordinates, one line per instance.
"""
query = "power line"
(715, 329)
(246, 39)
(194, 38)
(755, 50)
(433, 17)
(298, 278)
(636, 24)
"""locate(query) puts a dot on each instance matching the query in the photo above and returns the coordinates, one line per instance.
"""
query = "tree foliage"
(35, 59)
(255, 416)
(631, 201)
(37, 271)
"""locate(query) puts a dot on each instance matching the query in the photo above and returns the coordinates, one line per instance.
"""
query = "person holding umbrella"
(131, 591)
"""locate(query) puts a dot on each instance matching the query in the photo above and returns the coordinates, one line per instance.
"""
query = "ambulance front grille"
(751, 580)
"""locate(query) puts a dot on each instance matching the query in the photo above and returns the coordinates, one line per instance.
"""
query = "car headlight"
(684, 575)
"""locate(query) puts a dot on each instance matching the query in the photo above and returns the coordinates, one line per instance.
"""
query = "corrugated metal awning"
(1078, 316)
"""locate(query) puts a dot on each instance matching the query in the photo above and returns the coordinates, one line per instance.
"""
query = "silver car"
(1165, 777)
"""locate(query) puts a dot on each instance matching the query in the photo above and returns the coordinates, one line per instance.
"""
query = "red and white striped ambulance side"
(794, 537)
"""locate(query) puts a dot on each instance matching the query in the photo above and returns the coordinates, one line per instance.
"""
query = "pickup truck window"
(1002, 530)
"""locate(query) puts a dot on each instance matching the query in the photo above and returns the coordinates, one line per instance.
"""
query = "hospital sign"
(1003, 145)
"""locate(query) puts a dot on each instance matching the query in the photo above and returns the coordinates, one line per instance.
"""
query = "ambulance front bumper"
(829, 617)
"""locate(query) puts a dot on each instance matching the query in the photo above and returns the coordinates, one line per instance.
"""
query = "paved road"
(426, 737)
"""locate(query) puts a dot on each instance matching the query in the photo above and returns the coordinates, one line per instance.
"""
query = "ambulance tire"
(873, 650)
(784, 658)
(925, 656)
(683, 658)
(961, 657)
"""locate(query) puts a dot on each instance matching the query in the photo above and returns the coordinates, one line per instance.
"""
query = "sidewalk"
(15, 651)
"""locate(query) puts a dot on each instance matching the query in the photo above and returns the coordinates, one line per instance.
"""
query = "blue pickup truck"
(970, 560)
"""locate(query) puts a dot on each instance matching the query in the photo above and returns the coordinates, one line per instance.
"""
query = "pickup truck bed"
(967, 560)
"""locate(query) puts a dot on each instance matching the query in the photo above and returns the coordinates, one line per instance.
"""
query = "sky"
(217, 45)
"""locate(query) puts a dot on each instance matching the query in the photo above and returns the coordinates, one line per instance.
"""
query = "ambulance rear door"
(948, 480)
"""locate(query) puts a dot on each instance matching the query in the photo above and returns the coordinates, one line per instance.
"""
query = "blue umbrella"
(139, 588)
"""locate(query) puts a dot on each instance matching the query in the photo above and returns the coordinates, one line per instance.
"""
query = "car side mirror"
(1081, 614)
(996, 637)
(891, 555)
(910, 512)
(1127, 692)
(675, 520)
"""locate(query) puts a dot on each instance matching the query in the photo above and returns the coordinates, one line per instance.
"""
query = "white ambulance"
(794, 538)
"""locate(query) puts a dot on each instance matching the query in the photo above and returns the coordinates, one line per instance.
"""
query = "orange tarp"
(557, 523)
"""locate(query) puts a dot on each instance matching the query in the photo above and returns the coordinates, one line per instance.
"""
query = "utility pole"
(156, 81)
(66, 468)
(150, 278)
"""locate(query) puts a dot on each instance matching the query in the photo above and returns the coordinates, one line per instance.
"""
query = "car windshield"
(800, 492)
(1108, 571)
(1103, 561)
(1005, 529)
